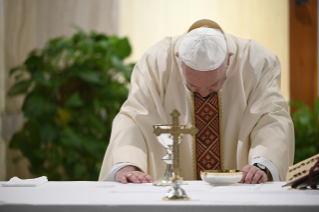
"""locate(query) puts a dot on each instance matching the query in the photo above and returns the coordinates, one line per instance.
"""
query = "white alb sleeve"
(269, 165)
(115, 168)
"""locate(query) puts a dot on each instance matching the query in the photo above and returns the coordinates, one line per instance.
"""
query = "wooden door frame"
(303, 22)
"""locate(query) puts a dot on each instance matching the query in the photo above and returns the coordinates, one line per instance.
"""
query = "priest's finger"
(248, 178)
(250, 175)
(133, 179)
(141, 178)
(249, 172)
(123, 180)
(258, 175)
(149, 178)
(243, 178)
(245, 170)
(263, 179)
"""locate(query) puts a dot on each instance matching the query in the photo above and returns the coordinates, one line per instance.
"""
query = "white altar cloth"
(111, 196)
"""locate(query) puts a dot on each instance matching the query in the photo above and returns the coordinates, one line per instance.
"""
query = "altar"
(112, 196)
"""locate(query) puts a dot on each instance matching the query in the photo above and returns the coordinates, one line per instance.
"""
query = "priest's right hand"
(130, 174)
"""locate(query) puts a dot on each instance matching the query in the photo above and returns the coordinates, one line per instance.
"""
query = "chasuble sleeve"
(272, 135)
(132, 139)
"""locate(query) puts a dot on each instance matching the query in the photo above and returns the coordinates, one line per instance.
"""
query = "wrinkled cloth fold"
(17, 182)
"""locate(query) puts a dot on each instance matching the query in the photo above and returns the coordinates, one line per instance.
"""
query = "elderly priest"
(226, 86)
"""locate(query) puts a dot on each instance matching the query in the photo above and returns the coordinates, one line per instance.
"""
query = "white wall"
(146, 22)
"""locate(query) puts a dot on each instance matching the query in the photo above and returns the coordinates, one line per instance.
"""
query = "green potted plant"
(306, 123)
(74, 87)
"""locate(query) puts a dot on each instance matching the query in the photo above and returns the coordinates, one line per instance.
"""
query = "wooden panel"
(303, 52)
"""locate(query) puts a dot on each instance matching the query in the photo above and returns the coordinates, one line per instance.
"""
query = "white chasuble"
(253, 116)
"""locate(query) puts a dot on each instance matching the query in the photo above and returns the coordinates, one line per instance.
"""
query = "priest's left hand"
(253, 175)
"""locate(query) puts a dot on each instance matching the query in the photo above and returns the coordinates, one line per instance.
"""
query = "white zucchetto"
(203, 49)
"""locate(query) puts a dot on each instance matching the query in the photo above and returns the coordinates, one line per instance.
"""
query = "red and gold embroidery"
(208, 136)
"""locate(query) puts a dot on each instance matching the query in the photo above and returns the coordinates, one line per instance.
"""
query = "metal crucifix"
(175, 131)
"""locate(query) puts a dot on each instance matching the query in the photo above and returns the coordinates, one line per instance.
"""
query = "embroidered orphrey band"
(208, 137)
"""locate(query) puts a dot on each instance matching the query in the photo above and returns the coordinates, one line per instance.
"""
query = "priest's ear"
(177, 54)
(229, 55)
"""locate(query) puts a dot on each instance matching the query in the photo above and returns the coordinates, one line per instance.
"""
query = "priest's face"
(205, 82)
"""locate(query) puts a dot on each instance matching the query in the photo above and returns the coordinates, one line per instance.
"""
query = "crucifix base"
(166, 179)
(176, 193)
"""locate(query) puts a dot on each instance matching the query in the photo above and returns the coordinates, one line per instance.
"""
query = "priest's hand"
(253, 175)
(130, 174)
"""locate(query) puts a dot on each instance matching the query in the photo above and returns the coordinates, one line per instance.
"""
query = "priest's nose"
(204, 93)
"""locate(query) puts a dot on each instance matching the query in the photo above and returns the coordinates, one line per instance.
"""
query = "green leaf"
(17, 139)
(297, 104)
(56, 82)
(15, 69)
(17, 77)
(48, 132)
(19, 87)
(317, 108)
(72, 155)
(79, 170)
(304, 116)
(95, 120)
(80, 35)
(55, 156)
(306, 131)
(121, 67)
(55, 47)
(39, 153)
(70, 138)
(74, 101)
(99, 37)
(97, 105)
(90, 76)
(122, 47)
(102, 46)
(38, 77)
(37, 105)
(93, 146)
(33, 63)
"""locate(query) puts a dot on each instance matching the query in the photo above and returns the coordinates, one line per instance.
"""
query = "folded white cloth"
(17, 182)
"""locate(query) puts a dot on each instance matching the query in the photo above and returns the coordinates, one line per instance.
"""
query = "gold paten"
(222, 172)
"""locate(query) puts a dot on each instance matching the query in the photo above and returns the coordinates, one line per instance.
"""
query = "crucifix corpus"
(176, 192)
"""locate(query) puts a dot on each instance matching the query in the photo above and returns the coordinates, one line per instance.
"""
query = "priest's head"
(204, 59)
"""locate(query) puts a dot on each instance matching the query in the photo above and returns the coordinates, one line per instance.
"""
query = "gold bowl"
(221, 177)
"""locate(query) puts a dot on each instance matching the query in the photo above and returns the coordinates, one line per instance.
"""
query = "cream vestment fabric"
(254, 118)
